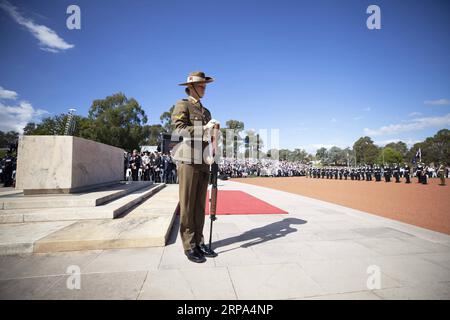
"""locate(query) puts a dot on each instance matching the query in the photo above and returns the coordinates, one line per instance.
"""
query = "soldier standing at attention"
(441, 174)
(191, 120)
(424, 174)
(396, 173)
(419, 171)
(377, 173)
(369, 173)
(407, 173)
(387, 174)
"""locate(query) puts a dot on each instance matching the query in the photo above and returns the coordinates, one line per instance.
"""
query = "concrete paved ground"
(318, 251)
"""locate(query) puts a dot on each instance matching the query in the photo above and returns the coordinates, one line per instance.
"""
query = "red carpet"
(239, 202)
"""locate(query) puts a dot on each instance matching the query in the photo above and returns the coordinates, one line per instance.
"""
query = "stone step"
(110, 210)
(147, 225)
(97, 197)
(19, 238)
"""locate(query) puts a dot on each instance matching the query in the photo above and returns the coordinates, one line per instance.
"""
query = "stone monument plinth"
(65, 164)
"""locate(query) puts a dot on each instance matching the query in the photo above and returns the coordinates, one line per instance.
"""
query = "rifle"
(214, 170)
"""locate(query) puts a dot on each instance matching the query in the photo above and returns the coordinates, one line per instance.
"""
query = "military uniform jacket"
(188, 118)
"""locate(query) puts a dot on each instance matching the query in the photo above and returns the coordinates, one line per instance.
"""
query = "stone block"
(65, 164)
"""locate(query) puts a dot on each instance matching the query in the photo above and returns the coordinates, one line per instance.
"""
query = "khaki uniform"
(188, 117)
(441, 174)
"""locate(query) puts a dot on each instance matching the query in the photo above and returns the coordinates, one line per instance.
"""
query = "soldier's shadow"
(260, 235)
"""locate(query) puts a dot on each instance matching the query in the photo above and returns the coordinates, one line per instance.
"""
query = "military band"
(376, 173)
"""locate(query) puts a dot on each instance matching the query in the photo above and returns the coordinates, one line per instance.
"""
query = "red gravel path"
(426, 206)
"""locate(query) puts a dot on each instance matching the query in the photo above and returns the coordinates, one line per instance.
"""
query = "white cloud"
(333, 120)
(15, 117)
(48, 39)
(439, 102)
(414, 114)
(358, 118)
(410, 125)
(367, 109)
(7, 94)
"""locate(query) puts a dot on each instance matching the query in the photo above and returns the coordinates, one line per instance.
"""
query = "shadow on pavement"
(260, 235)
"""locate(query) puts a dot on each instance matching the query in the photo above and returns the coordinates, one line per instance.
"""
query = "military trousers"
(193, 180)
(442, 177)
(424, 179)
(407, 177)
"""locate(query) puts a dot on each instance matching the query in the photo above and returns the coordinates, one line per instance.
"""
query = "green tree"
(236, 127)
(283, 154)
(117, 121)
(7, 138)
(322, 155)
(49, 126)
(366, 151)
(434, 149)
(271, 153)
(439, 147)
(55, 126)
(389, 155)
(401, 147)
(348, 156)
(29, 128)
(299, 155)
(152, 133)
(336, 156)
(166, 120)
(253, 142)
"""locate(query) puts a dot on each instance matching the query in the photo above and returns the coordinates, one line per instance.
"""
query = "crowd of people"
(150, 166)
(161, 168)
(242, 168)
(8, 169)
(144, 166)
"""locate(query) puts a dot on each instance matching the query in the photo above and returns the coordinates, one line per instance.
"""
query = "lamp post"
(70, 124)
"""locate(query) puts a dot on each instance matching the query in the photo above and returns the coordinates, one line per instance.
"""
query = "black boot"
(206, 251)
(194, 256)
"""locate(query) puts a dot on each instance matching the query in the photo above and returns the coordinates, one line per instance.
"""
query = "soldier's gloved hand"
(210, 124)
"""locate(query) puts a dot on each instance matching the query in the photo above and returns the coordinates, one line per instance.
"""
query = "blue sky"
(311, 69)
